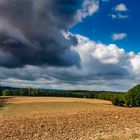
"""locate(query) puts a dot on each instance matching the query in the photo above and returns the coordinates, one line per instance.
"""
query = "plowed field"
(48, 118)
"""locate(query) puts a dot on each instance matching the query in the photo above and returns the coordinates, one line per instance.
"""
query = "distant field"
(50, 118)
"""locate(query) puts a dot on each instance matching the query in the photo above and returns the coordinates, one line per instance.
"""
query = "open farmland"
(50, 118)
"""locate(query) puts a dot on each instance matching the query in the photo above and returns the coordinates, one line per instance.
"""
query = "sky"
(70, 44)
(100, 26)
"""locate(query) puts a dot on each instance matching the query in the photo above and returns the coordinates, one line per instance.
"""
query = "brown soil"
(104, 122)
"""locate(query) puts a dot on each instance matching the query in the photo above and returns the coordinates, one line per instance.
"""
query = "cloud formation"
(121, 8)
(120, 11)
(103, 67)
(37, 50)
(119, 36)
(30, 32)
(89, 7)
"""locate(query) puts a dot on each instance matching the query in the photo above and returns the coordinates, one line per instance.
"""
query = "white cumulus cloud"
(121, 8)
(89, 7)
(119, 36)
(120, 11)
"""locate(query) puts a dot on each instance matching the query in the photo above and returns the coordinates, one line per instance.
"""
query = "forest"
(131, 98)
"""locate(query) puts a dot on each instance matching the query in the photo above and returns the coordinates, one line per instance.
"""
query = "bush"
(118, 100)
(133, 97)
(130, 99)
(5, 92)
(106, 96)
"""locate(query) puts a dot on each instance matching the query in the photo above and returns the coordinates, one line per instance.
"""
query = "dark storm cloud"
(30, 32)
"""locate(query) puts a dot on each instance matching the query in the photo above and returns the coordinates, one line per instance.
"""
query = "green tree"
(118, 100)
(6, 92)
(133, 96)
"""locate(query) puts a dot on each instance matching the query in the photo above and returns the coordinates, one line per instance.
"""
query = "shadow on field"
(3, 101)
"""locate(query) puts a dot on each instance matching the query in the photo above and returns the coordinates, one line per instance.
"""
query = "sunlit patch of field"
(20, 100)
(50, 118)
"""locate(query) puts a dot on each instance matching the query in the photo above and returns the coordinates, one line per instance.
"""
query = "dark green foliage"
(44, 92)
(58, 93)
(0, 92)
(118, 100)
(106, 96)
(133, 97)
(5, 92)
(130, 99)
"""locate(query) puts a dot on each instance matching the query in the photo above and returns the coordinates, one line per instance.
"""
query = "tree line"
(44, 92)
(130, 98)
